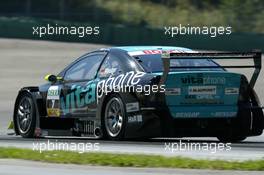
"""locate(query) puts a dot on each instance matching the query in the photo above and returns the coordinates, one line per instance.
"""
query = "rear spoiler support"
(255, 55)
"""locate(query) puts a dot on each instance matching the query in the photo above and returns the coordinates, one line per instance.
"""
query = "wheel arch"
(37, 100)
(125, 97)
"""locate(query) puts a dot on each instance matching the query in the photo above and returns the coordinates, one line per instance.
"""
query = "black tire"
(25, 116)
(232, 139)
(114, 122)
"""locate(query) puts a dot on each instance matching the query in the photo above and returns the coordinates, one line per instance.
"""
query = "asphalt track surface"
(26, 62)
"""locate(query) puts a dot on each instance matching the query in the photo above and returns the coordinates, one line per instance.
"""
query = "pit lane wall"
(131, 35)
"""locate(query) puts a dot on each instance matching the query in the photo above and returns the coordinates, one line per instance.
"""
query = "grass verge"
(127, 160)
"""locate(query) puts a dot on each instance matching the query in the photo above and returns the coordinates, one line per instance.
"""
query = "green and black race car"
(144, 92)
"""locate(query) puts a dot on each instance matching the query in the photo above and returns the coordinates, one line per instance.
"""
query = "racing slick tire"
(114, 118)
(25, 116)
(232, 139)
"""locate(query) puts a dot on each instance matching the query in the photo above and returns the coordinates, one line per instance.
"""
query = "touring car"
(144, 92)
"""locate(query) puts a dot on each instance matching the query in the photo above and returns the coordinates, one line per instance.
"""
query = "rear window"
(153, 63)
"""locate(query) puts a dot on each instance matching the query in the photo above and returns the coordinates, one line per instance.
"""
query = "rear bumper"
(159, 123)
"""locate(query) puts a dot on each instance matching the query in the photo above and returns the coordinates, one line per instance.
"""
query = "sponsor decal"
(107, 71)
(205, 96)
(192, 80)
(53, 97)
(187, 114)
(132, 107)
(173, 91)
(224, 114)
(214, 80)
(202, 90)
(128, 82)
(117, 84)
(78, 97)
(134, 118)
(134, 53)
(231, 91)
(202, 101)
(149, 52)
(53, 93)
(54, 112)
(203, 80)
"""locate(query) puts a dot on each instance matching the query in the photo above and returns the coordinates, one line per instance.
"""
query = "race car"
(144, 92)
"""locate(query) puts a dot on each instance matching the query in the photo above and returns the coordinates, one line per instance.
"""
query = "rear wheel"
(25, 116)
(114, 120)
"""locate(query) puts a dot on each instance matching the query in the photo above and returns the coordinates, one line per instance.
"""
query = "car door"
(78, 97)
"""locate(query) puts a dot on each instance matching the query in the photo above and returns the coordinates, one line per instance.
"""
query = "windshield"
(153, 63)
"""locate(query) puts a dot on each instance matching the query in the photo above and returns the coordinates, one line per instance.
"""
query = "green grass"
(127, 160)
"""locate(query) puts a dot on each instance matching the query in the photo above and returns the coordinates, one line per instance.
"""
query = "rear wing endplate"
(255, 55)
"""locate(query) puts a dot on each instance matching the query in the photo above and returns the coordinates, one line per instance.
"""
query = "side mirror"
(52, 78)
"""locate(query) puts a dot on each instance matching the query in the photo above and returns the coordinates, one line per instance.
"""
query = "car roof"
(146, 50)
(140, 48)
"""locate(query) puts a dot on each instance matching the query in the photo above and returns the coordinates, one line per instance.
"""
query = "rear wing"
(255, 55)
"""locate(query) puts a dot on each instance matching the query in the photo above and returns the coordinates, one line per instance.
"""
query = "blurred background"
(140, 22)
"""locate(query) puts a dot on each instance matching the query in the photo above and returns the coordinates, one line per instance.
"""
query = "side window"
(111, 66)
(85, 69)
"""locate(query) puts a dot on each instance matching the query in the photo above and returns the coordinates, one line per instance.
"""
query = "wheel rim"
(24, 115)
(114, 117)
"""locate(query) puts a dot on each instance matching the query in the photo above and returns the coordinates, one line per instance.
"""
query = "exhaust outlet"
(97, 132)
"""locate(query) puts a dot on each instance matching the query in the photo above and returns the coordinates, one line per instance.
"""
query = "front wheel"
(114, 120)
(25, 116)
